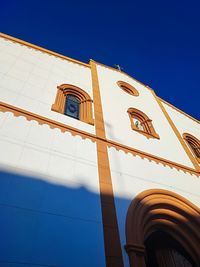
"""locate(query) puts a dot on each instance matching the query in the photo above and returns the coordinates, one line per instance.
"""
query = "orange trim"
(192, 139)
(128, 88)
(43, 120)
(16, 40)
(122, 72)
(177, 109)
(84, 98)
(161, 209)
(150, 157)
(178, 135)
(144, 120)
(74, 131)
(113, 252)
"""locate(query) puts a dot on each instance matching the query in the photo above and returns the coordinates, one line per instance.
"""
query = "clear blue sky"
(157, 42)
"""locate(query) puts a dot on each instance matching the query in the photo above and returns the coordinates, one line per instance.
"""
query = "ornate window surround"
(149, 130)
(85, 101)
(128, 88)
(191, 139)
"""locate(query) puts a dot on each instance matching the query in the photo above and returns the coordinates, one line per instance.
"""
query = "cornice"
(43, 120)
(150, 157)
(177, 133)
(177, 109)
(44, 50)
(148, 88)
(85, 135)
(122, 72)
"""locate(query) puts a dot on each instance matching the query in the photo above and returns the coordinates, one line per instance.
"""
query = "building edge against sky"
(69, 183)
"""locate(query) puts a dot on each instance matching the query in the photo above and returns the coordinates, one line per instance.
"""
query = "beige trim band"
(43, 120)
(178, 135)
(44, 50)
(74, 131)
(177, 109)
(113, 250)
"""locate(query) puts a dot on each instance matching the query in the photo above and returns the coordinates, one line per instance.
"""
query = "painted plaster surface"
(183, 123)
(49, 199)
(29, 80)
(132, 175)
(117, 123)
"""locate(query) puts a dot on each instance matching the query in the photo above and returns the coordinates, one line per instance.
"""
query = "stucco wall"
(49, 197)
(183, 123)
(29, 80)
(132, 175)
(117, 123)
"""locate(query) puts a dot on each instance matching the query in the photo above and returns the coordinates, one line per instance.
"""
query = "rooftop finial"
(117, 66)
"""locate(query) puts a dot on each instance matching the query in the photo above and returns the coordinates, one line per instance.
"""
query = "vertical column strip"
(113, 252)
(188, 152)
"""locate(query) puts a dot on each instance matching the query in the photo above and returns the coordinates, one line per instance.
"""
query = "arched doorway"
(162, 226)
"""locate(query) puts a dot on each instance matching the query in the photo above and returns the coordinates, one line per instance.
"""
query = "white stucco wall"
(49, 186)
(117, 123)
(29, 80)
(183, 123)
(132, 175)
(49, 197)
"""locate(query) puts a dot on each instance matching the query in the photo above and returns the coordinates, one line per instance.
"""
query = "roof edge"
(44, 50)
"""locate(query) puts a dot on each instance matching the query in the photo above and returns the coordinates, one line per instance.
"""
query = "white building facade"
(96, 170)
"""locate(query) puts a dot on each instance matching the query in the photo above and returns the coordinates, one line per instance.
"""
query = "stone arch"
(167, 211)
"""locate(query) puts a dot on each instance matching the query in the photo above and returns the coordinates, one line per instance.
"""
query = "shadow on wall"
(45, 224)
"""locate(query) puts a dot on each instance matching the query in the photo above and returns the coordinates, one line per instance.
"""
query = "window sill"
(53, 108)
(147, 135)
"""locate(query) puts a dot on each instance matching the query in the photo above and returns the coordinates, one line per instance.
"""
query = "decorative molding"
(196, 143)
(43, 120)
(177, 109)
(16, 40)
(129, 89)
(44, 50)
(85, 135)
(178, 135)
(148, 129)
(150, 157)
(83, 97)
(113, 250)
(164, 210)
(124, 73)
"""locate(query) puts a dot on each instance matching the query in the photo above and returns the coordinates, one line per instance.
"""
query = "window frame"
(85, 108)
(129, 89)
(146, 122)
(196, 143)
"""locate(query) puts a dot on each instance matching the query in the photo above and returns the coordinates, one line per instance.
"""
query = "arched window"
(74, 102)
(141, 123)
(72, 107)
(128, 88)
(194, 145)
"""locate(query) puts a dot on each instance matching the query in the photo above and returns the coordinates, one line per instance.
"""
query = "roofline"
(44, 50)
(149, 88)
(179, 110)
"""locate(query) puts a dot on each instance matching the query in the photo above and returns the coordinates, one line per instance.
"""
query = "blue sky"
(157, 42)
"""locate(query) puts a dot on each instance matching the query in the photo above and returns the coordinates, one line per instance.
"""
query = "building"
(96, 169)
